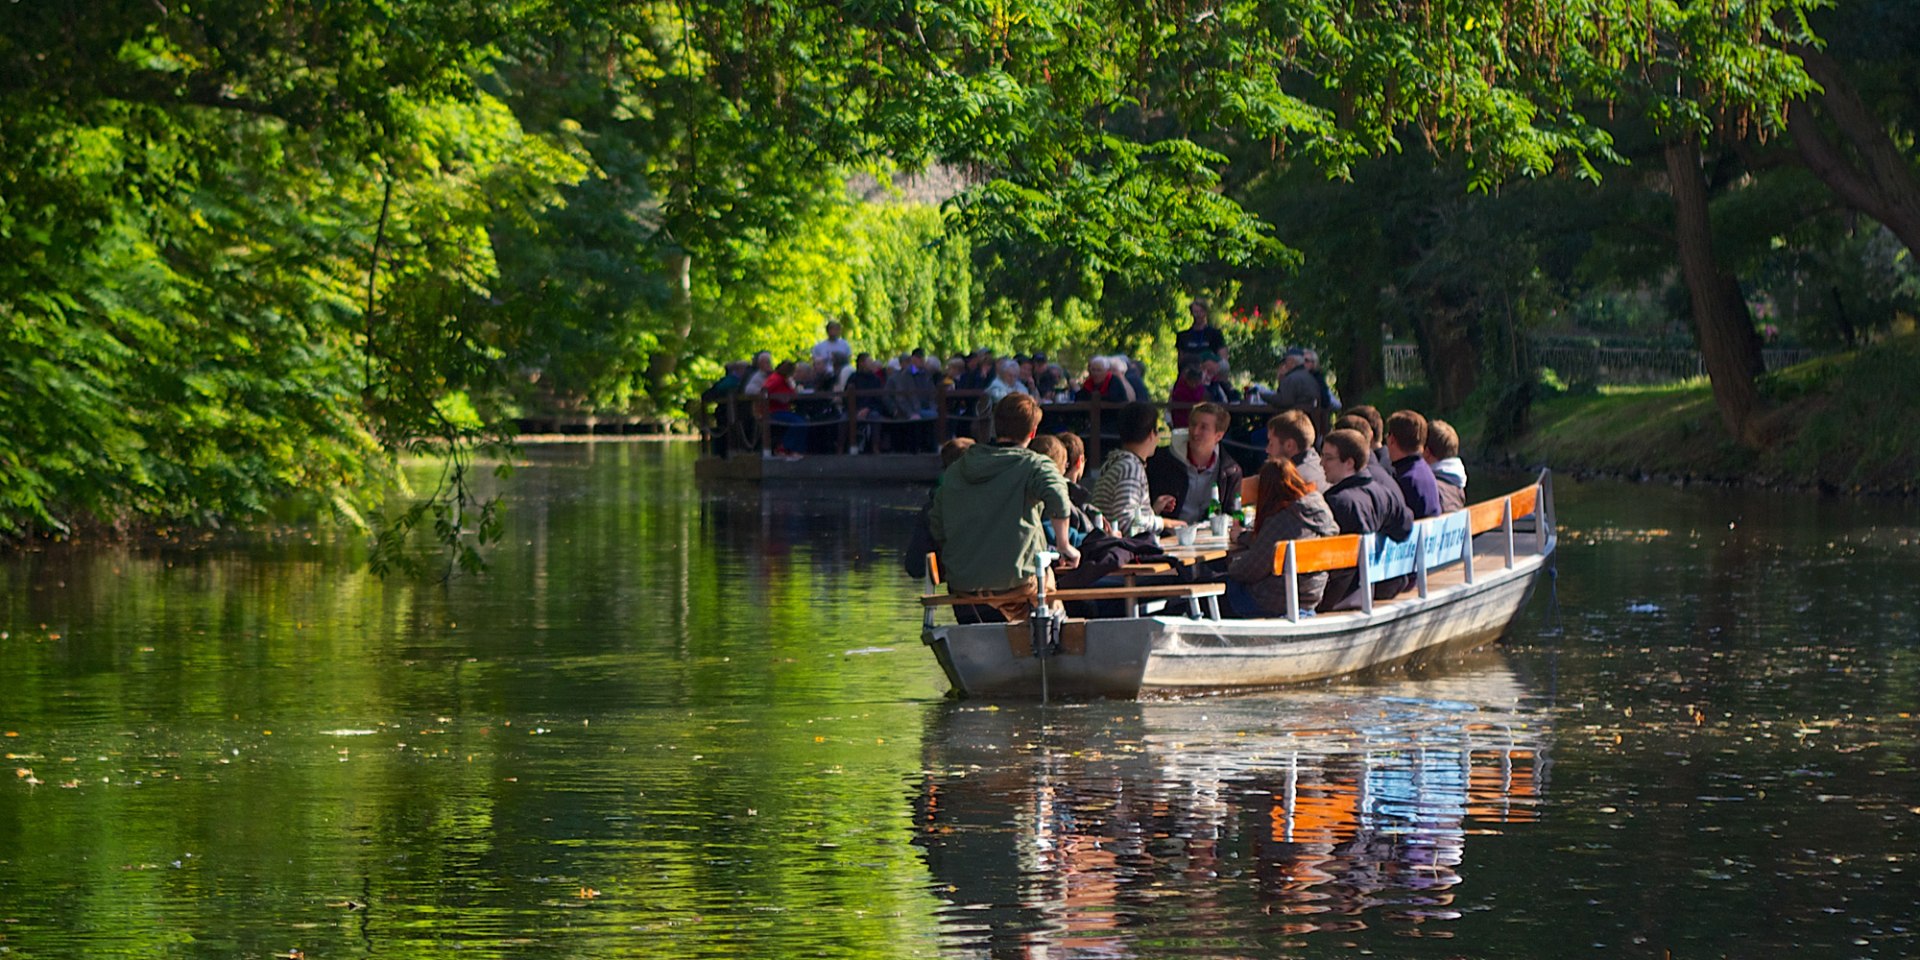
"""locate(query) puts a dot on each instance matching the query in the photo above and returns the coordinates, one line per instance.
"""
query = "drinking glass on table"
(1219, 523)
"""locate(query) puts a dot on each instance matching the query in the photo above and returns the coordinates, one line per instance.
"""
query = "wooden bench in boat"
(1437, 543)
(1210, 592)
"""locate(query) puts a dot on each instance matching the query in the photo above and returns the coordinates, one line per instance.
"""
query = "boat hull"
(1162, 655)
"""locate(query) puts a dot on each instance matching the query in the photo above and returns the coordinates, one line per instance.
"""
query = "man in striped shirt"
(1121, 494)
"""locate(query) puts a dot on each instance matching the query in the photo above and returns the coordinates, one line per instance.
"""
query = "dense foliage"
(248, 253)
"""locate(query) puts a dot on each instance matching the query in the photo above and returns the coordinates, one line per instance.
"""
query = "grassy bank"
(1845, 423)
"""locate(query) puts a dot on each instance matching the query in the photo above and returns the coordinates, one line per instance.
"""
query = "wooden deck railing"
(745, 423)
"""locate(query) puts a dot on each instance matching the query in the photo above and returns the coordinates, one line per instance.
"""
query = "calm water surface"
(683, 721)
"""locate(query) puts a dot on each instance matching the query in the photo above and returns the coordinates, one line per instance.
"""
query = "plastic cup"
(1185, 535)
(1219, 524)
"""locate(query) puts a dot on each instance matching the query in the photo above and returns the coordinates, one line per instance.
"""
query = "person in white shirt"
(1442, 453)
(1006, 380)
(833, 353)
(762, 369)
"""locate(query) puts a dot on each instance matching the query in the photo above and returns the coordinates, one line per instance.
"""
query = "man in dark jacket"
(1361, 503)
(1134, 374)
(1406, 437)
(1296, 388)
(1377, 463)
(1193, 471)
(1213, 375)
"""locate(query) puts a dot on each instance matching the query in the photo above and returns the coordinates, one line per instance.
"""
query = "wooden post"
(1094, 457)
(849, 408)
(939, 415)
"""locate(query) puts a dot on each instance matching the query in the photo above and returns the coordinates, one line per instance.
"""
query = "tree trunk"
(1722, 324)
(1449, 351)
(1361, 370)
(1877, 178)
(666, 356)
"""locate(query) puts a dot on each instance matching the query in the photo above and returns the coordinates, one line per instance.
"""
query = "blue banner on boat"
(1445, 537)
(1389, 559)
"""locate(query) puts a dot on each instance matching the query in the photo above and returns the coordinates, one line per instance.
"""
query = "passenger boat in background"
(1474, 570)
(740, 438)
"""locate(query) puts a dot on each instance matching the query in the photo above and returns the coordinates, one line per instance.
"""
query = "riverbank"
(1839, 424)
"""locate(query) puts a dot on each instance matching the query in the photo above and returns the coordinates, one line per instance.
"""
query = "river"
(686, 721)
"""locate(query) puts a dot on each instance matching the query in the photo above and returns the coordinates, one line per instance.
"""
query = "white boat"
(1474, 571)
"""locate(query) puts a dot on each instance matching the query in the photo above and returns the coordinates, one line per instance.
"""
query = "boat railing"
(1436, 542)
(738, 424)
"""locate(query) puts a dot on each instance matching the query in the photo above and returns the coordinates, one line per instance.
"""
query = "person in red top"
(1102, 384)
(780, 390)
(1190, 388)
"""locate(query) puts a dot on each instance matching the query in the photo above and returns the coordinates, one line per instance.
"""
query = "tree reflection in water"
(1223, 825)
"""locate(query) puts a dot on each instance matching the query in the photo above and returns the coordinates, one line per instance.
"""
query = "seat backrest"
(1488, 514)
(1319, 554)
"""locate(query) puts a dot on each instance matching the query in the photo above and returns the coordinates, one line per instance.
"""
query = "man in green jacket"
(992, 509)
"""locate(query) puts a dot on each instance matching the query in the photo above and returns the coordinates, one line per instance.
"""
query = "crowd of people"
(892, 401)
(1002, 501)
(999, 503)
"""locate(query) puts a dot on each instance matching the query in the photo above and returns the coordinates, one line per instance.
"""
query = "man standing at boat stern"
(992, 511)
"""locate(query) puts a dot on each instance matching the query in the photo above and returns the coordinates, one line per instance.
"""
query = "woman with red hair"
(1287, 508)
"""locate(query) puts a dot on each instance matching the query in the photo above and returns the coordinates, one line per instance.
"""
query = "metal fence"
(1579, 363)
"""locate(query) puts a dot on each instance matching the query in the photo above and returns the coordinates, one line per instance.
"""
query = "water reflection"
(679, 720)
(831, 528)
(1059, 831)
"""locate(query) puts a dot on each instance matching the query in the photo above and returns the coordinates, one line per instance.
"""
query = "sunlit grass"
(1838, 422)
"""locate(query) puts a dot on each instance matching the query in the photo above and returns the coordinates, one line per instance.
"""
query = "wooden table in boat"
(1205, 547)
